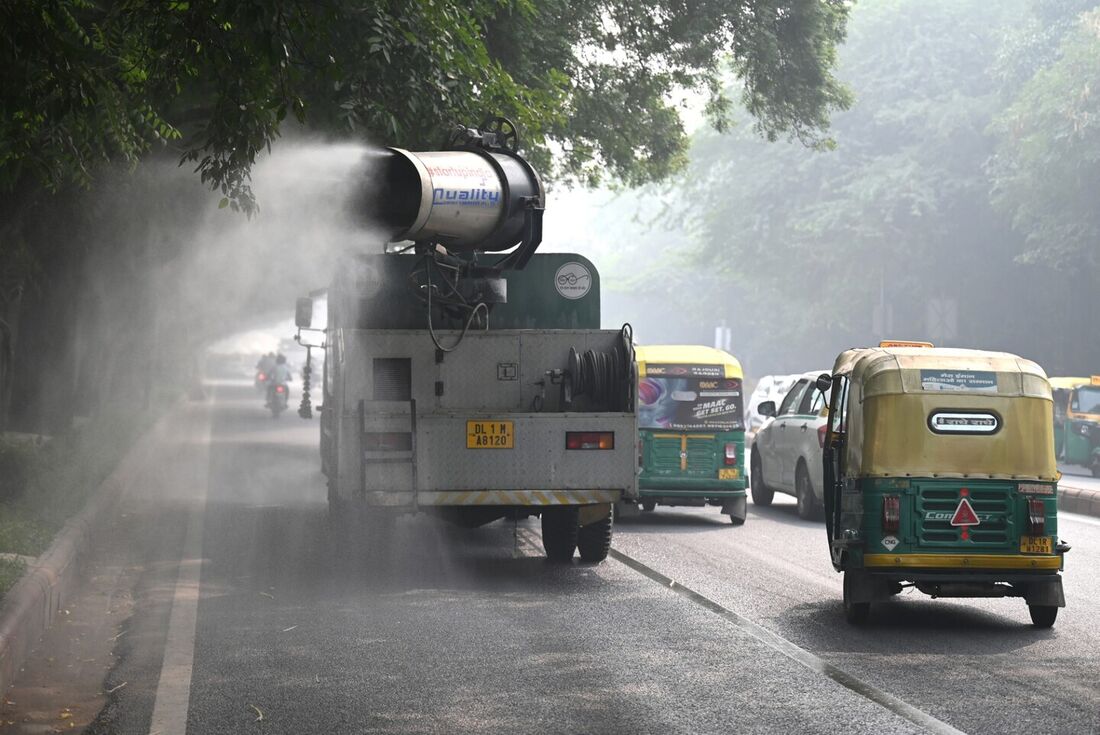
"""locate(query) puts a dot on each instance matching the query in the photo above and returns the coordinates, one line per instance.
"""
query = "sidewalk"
(34, 602)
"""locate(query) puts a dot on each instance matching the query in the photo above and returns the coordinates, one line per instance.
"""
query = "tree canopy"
(964, 173)
(1046, 170)
(86, 82)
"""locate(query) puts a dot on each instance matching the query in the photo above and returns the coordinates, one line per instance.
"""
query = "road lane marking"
(794, 652)
(174, 686)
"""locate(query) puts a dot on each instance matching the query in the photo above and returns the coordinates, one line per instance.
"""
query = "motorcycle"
(277, 400)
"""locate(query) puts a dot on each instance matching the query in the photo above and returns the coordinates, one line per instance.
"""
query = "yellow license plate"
(490, 435)
(730, 474)
(1035, 545)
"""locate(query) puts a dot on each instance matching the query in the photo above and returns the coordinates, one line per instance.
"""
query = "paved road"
(977, 664)
(429, 629)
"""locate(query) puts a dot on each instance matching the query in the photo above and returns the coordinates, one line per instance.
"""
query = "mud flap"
(590, 514)
(736, 507)
(627, 509)
(1047, 594)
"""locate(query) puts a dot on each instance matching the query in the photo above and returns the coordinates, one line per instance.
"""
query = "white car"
(786, 453)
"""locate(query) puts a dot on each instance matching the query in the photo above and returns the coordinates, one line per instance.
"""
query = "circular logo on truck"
(573, 280)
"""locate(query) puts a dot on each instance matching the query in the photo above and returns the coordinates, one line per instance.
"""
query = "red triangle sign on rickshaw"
(965, 515)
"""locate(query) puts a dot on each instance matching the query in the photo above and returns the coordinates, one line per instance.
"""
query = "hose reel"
(605, 378)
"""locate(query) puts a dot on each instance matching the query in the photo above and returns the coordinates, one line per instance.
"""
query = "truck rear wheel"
(594, 540)
(336, 514)
(560, 531)
(1043, 616)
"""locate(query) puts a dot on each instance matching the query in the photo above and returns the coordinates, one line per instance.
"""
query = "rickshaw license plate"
(1035, 545)
(490, 435)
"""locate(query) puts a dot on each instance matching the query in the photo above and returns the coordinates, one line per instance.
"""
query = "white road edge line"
(174, 686)
(794, 652)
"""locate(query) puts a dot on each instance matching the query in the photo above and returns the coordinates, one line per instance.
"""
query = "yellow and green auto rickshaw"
(691, 442)
(940, 475)
(1077, 421)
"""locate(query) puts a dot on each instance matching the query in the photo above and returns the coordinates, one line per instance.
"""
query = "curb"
(1079, 500)
(32, 604)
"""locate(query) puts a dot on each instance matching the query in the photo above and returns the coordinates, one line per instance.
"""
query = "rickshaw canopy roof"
(686, 355)
(943, 412)
(899, 370)
(1069, 383)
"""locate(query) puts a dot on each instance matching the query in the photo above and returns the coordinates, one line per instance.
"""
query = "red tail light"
(1036, 517)
(891, 513)
(261, 376)
(589, 440)
(731, 454)
(821, 435)
(280, 389)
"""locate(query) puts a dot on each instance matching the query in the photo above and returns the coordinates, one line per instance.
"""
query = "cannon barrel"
(468, 199)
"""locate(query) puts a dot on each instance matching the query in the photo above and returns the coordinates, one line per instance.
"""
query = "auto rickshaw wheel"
(560, 528)
(855, 613)
(649, 505)
(804, 489)
(761, 493)
(1043, 616)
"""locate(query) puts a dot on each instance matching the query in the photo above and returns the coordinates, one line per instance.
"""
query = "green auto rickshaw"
(940, 475)
(691, 430)
(1077, 421)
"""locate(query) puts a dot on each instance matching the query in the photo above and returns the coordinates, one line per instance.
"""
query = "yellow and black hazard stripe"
(518, 497)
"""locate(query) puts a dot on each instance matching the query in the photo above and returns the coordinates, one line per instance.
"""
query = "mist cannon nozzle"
(477, 194)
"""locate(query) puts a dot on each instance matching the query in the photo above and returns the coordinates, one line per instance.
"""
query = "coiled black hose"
(607, 379)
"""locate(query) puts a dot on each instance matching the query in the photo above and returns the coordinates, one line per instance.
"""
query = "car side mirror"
(824, 382)
(766, 408)
(303, 313)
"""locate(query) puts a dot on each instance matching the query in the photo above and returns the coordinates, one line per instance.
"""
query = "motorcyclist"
(266, 364)
(280, 375)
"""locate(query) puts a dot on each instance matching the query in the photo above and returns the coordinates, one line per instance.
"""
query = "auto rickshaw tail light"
(891, 513)
(1036, 517)
(821, 431)
(731, 454)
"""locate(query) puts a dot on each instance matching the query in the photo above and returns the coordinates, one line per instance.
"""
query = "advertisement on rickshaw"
(690, 403)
